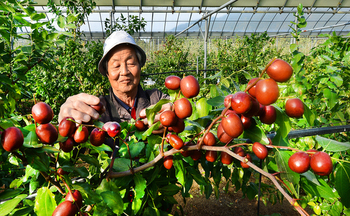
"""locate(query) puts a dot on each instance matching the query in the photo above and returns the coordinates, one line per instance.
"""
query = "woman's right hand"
(79, 107)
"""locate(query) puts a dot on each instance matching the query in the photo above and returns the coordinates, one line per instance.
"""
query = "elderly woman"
(121, 63)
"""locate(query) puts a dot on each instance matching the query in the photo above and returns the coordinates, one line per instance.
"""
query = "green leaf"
(10, 193)
(293, 47)
(135, 149)
(140, 186)
(121, 164)
(337, 80)
(323, 190)
(11, 204)
(282, 158)
(45, 202)
(90, 159)
(283, 122)
(331, 96)
(342, 182)
(332, 145)
(151, 111)
(61, 21)
(309, 115)
(311, 177)
(39, 161)
(196, 175)
(170, 190)
(50, 149)
(113, 201)
(256, 134)
(179, 171)
(202, 107)
(216, 101)
(30, 172)
(31, 140)
(149, 131)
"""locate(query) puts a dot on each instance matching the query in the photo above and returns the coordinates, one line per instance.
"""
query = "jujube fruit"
(187, 153)
(60, 171)
(68, 145)
(227, 100)
(211, 155)
(280, 70)
(222, 135)
(247, 122)
(294, 108)
(82, 135)
(168, 161)
(12, 139)
(179, 127)
(66, 126)
(97, 137)
(183, 108)
(47, 133)
(268, 115)
(189, 86)
(65, 208)
(254, 110)
(168, 118)
(260, 150)
(321, 163)
(42, 113)
(112, 128)
(209, 139)
(99, 108)
(232, 125)
(251, 91)
(299, 162)
(140, 125)
(226, 158)
(246, 159)
(241, 102)
(172, 82)
(196, 155)
(267, 91)
(239, 151)
(175, 141)
(75, 196)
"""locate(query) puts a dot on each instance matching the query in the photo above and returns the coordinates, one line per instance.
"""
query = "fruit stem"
(162, 144)
(127, 145)
(112, 162)
(70, 191)
(49, 179)
(260, 76)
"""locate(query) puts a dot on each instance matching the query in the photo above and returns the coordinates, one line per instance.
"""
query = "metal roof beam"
(282, 9)
(340, 2)
(208, 15)
(309, 10)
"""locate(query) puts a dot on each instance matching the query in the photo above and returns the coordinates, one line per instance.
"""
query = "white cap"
(115, 39)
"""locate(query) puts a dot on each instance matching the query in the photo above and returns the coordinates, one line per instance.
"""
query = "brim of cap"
(142, 62)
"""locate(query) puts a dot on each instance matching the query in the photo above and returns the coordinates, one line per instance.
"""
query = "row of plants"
(56, 65)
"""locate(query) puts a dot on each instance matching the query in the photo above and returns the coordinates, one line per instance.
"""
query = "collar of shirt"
(125, 105)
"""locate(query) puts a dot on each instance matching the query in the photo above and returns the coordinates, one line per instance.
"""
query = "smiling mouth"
(125, 81)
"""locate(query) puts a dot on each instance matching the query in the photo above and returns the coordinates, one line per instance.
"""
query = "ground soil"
(230, 203)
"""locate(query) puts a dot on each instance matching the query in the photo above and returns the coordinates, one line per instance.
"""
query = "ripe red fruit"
(267, 91)
(183, 108)
(172, 82)
(179, 127)
(189, 86)
(140, 125)
(175, 141)
(209, 139)
(251, 91)
(241, 102)
(299, 162)
(12, 139)
(222, 135)
(247, 122)
(260, 150)
(81, 136)
(65, 208)
(254, 110)
(280, 71)
(60, 171)
(99, 108)
(47, 133)
(66, 127)
(97, 137)
(68, 145)
(211, 155)
(168, 161)
(77, 198)
(227, 100)
(232, 125)
(239, 151)
(268, 114)
(294, 108)
(112, 128)
(226, 158)
(42, 113)
(247, 158)
(168, 118)
(321, 163)
(196, 155)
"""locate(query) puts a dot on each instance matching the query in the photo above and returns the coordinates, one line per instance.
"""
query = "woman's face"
(123, 70)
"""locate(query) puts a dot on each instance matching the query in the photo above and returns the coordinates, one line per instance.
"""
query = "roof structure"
(237, 17)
